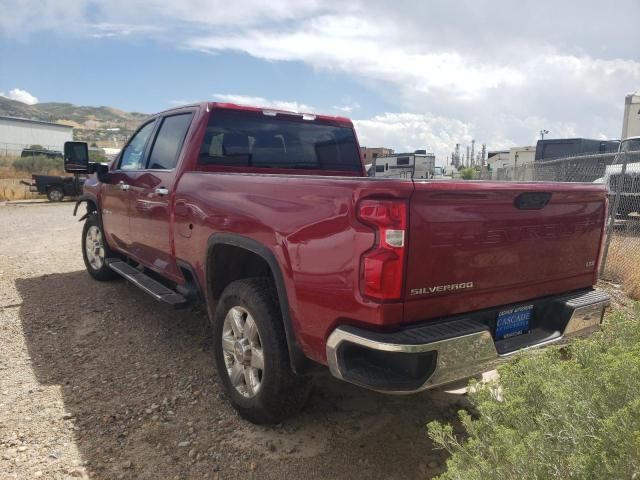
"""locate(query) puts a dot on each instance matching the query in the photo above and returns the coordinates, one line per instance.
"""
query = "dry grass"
(10, 176)
(6, 168)
(623, 263)
(16, 167)
(12, 189)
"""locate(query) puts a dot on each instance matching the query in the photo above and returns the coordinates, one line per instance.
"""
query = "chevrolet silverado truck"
(269, 220)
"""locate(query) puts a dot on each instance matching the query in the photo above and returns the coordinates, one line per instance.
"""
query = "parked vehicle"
(553, 148)
(56, 187)
(40, 152)
(418, 164)
(269, 219)
(629, 183)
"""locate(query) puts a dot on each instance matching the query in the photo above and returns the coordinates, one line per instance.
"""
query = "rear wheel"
(55, 194)
(251, 354)
(95, 250)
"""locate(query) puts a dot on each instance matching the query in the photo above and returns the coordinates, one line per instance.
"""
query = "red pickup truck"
(269, 219)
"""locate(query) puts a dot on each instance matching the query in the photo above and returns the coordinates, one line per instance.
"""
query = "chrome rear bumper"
(439, 353)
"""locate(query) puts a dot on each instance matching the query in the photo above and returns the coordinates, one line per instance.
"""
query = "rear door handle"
(162, 191)
(123, 186)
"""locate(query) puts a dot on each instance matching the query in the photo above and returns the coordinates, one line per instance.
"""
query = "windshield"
(632, 145)
(252, 139)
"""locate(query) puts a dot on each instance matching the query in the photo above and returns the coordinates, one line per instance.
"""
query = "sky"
(411, 74)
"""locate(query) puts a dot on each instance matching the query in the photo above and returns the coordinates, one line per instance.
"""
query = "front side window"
(251, 139)
(166, 148)
(132, 156)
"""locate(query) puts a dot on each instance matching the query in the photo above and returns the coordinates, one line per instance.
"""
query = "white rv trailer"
(418, 164)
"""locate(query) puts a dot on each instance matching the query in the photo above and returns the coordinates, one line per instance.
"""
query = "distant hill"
(104, 126)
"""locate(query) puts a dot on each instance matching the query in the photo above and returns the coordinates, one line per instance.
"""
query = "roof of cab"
(233, 106)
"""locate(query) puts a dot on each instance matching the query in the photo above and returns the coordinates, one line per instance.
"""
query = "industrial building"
(17, 134)
(498, 159)
(370, 154)
(631, 120)
(514, 157)
(519, 156)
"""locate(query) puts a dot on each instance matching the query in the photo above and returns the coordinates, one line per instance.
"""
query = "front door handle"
(162, 191)
(123, 186)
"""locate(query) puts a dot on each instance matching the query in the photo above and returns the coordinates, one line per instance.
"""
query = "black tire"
(100, 271)
(281, 393)
(55, 194)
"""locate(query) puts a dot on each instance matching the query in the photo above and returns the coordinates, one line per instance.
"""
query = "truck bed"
(458, 233)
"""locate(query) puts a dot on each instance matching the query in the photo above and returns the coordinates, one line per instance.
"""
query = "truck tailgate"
(474, 245)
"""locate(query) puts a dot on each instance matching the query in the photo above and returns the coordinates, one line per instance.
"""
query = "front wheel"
(55, 194)
(251, 353)
(95, 250)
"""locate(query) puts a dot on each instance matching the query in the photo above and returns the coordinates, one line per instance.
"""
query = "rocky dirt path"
(99, 381)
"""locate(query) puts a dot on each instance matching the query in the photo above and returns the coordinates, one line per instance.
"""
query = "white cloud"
(350, 108)
(107, 30)
(20, 96)
(507, 96)
(291, 106)
(498, 72)
(348, 44)
(406, 132)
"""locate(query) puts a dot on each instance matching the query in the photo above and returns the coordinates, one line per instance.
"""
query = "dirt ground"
(97, 380)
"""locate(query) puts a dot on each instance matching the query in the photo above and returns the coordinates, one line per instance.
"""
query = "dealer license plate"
(514, 321)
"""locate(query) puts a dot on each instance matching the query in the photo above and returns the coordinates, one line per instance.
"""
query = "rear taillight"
(382, 267)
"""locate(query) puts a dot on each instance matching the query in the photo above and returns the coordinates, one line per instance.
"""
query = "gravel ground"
(97, 380)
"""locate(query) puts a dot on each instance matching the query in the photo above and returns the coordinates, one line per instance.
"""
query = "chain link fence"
(620, 173)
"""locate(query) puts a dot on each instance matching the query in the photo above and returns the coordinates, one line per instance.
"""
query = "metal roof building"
(19, 133)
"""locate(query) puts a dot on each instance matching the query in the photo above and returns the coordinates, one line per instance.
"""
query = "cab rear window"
(253, 139)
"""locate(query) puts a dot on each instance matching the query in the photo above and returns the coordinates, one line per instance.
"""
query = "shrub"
(39, 164)
(97, 157)
(467, 173)
(568, 413)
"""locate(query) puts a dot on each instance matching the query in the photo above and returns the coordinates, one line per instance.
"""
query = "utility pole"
(484, 154)
(543, 133)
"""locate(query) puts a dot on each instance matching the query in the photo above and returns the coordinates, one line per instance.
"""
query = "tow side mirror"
(76, 157)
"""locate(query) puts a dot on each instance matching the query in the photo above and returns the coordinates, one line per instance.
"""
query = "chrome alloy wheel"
(242, 350)
(94, 247)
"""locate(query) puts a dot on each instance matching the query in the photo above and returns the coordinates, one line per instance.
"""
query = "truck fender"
(91, 201)
(299, 362)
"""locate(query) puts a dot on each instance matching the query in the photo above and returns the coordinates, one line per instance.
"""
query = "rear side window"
(252, 139)
(166, 148)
